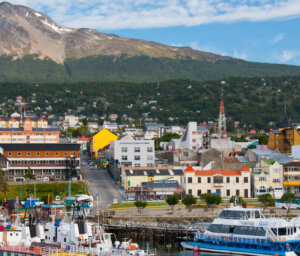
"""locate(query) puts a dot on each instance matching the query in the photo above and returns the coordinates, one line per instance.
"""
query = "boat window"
(248, 214)
(282, 231)
(225, 214)
(250, 231)
(257, 215)
(217, 228)
(295, 229)
(274, 230)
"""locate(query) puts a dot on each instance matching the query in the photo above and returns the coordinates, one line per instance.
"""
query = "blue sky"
(255, 30)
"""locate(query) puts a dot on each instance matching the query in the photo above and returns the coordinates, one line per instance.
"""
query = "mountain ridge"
(25, 31)
(35, 48)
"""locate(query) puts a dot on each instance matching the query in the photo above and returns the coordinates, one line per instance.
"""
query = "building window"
(124, 158)
(47, 154)
(137, 149)
(208, 191)
(218, 179)
(190, 192)
(37, 153)
(276, 180)
(237, 192)
(149, 149)
(149, 165)
(262, 179)
(19, 153)
(199, 179)
(137, 165)
(149, 157)
(9, 154)
(123, 149)
(228, 192)
(218, 191)
(190, 180)
(208, 179)
(245, 179)
(199, 192)
(237, 179)
(137, 158)
(28, 154)
(228, 179)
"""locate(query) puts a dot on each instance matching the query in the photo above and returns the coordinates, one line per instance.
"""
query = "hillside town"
(153, 161)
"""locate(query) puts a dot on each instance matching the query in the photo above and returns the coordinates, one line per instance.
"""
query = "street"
(100, 183)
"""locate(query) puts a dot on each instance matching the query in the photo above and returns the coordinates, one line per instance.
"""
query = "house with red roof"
(227, 183)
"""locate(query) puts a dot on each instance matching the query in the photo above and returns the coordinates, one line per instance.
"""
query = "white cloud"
(120, 14)
(288, 55)
(277, 38)
(207, 48)
(240, 54)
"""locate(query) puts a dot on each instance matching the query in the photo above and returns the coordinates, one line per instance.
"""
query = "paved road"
(101, 183)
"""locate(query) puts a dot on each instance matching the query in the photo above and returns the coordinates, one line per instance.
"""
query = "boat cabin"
(239, 213)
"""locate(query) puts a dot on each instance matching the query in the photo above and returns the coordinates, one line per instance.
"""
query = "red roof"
(231, 160)
(245, 169)
(189, 169)
(83, 139)
(219, 172)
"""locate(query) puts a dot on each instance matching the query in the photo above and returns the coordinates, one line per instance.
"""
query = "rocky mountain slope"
(25, 31)
(34, 48)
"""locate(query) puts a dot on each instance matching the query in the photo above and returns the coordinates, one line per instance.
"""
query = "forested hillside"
(132, 69)
(254, 101)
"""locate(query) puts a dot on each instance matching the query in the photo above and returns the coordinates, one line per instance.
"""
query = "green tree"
(168, 136)
(288, 199)
(266, 199)
(211, 199)
(140, 205)
(188, 201)
(3, 183)
(172, 201)
(29, 174)
(239, 199)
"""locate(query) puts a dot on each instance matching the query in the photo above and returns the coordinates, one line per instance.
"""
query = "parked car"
(295, 205)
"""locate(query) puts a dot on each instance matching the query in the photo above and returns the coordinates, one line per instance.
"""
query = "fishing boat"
(245, 231)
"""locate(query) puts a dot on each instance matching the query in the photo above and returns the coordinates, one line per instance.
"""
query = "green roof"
(69, 202)
(269, 161)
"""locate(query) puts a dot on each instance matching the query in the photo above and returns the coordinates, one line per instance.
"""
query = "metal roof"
(153, 172)
(32, 146)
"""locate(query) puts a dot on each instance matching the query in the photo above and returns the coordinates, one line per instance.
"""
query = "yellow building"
(291, 172)
(135, 176)
(100, 140)
(283, 139)
(268, 178)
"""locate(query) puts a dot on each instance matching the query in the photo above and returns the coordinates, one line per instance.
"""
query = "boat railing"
(229, 238)
(75, 250)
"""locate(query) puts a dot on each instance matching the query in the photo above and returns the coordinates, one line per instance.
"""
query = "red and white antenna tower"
(222, 132)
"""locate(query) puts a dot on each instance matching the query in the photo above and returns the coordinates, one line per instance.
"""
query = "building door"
(246, 193)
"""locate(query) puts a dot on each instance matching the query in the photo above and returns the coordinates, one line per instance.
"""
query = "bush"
(239, 199)
(189, 200)
(211, 199)
(140, 205)
(266, 199)
(172, 200)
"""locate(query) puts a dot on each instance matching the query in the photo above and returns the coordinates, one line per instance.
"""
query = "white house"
(110, 126)
(195, 137)
(227, 183)
(131, 152)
